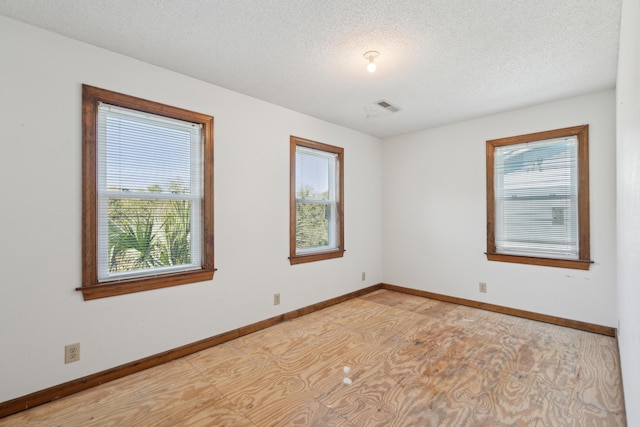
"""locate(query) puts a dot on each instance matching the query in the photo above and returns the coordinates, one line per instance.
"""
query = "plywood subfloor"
(386, 359)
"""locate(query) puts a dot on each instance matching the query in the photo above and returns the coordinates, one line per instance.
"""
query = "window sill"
(318, 256)
(122, 287)
(548, 262)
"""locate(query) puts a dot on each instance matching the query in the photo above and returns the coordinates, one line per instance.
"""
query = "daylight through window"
(149, 194)
(316, 201)
(537, 187)
(148, 222)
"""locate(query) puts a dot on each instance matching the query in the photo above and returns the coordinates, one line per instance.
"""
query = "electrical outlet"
(483, 287)
(276, 299)
(364, 275)
(72, 353)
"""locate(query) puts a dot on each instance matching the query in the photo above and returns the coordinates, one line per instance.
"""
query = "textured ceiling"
(441, 61)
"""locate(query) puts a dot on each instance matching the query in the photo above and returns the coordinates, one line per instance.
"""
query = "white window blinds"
(149, 194)
(536, 198)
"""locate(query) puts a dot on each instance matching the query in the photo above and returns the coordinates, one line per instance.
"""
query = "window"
(316, 208)
(538, 198)
(147, 195)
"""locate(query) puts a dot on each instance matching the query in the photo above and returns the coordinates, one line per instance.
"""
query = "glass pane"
(312, 225)
(538, 226)
(537, 168)
(536, 193)
(314, 175)
(146, 155)
(147, 234)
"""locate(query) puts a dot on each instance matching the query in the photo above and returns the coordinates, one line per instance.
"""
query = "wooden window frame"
(583, 262)
(91, 288)
(294, 258)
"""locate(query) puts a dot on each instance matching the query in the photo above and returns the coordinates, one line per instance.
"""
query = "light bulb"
(371, 56)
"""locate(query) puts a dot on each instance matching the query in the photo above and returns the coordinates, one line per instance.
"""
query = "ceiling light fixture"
(370, 56)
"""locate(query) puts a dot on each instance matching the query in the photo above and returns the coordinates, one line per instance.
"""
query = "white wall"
(434, 214)
(628, 116)
(40, 248)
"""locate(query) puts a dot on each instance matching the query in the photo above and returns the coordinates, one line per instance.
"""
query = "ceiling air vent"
(388, 106)
(380, 109)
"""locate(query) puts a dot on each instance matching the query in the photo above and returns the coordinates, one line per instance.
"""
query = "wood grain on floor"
(383, 359)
